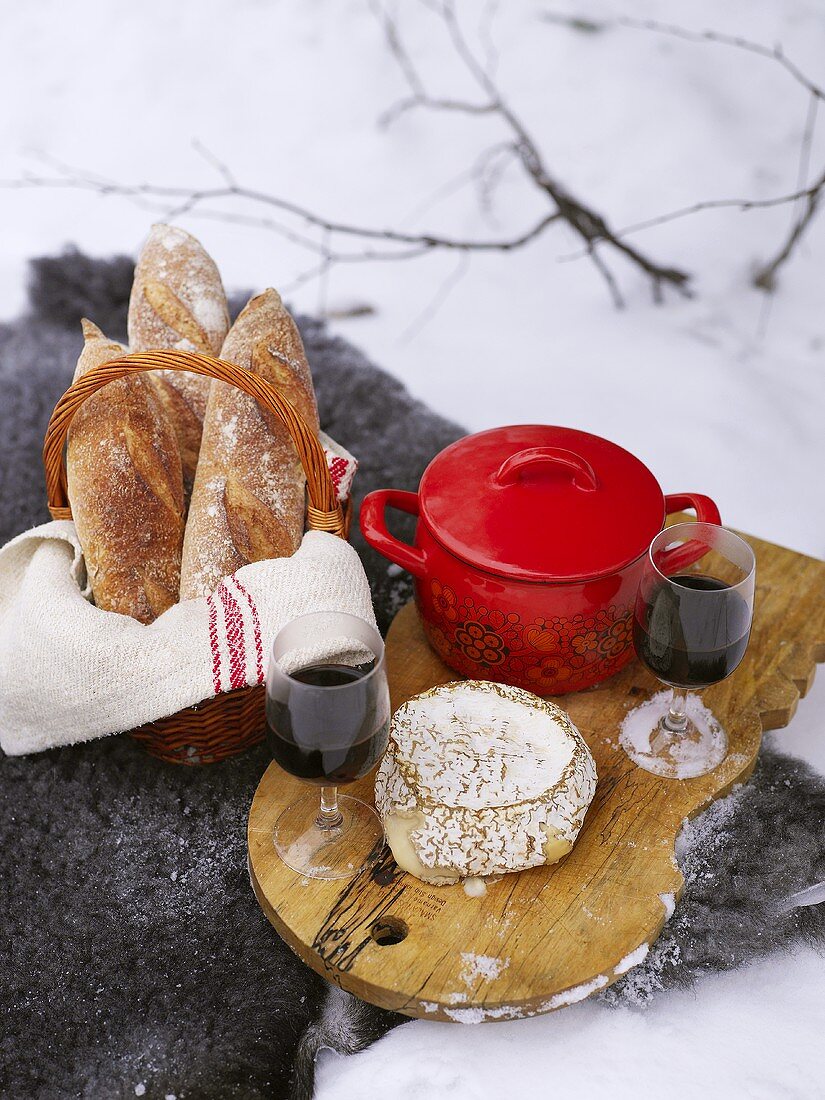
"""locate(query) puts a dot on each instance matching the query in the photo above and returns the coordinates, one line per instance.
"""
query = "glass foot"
(338, 851)
(696, 749)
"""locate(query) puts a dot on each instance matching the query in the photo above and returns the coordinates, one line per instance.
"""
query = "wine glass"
(327, 722)
(691, 627)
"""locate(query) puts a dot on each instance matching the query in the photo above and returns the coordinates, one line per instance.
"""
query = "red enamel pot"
(528, 552)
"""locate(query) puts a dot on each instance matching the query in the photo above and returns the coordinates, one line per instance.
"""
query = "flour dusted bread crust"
(248, 501)
(178, 301)
(125, 489)
(480, 779)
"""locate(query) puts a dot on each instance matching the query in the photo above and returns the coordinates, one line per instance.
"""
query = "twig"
(765, 276)
(485, 34)
(612, 286)
(438, 299)
(307, 276)
(585, 222)
(772, 53)
(191, 199)
(323, 277)
(418, 95)
(807, 143)
(480, 173)
(491, 173)
(407, 104)
(221, 168)
(699, 207)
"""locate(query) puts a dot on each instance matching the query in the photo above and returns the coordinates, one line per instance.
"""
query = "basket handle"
(324, 512)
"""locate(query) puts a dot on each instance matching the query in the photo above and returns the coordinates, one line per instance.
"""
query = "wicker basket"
(228, 723)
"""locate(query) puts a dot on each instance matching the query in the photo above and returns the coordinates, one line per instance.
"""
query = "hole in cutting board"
(389, 931)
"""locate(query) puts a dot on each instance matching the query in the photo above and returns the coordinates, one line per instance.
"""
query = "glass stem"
(676, 718)
(329, 816)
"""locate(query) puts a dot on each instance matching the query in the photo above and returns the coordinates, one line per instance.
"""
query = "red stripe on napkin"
(256, 629)
(213, 642)
(233, 618)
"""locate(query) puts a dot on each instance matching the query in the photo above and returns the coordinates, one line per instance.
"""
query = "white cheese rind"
(499, 779)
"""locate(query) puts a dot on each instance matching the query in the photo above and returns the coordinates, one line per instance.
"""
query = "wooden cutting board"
(549, 936)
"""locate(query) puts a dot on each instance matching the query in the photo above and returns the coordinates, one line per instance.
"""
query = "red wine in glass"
(691, 627)
(327, 723)
(334, 739)
(689, 641)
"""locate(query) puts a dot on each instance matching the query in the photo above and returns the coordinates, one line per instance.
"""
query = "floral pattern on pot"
(444, 601)
(550, 655)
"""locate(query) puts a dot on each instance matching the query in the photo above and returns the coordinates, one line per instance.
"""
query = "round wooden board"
(549, 936)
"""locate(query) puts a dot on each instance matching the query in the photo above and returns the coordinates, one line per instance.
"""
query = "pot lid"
(541, 503)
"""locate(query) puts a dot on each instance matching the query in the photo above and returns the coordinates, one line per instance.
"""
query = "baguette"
(125, 489)
(248, 501)
(178, 301)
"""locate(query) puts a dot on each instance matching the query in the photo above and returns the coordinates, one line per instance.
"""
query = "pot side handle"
(374, 528)
(674, 561)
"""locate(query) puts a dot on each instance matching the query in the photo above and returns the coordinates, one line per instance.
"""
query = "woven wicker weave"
(228, 723)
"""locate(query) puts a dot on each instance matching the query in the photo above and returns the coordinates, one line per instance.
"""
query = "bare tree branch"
(191, 199)
(419, 96)
(438, 299)
(479, 173)
(765, 276)
(221, 168)
(590, 226)
(485, 34)
(207, 202)
(806, 144)
(743, 205)
(612, 285)
(491, 172)
(772, 53)
(585, 222)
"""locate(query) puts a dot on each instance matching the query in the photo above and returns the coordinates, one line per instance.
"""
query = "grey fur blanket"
(136, 960)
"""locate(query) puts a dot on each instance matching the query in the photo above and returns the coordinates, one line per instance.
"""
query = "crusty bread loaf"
(248, 502)
(125, 489)
(178, 301)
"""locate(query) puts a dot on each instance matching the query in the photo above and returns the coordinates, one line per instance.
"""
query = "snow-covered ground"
(737, 1036)
(723, 394)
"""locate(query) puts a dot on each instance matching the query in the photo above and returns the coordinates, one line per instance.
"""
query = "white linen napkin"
(71, 672)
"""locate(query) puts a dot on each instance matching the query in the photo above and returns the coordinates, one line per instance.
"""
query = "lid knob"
(583, 475)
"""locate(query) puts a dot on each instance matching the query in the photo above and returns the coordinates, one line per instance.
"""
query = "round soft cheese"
(481, 779)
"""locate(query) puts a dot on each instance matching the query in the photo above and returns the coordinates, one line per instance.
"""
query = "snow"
(576, 994)
(752, 1033)
(669, 902)
(481, 967)
(686, 757)
(632, 959)
(722, 394)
